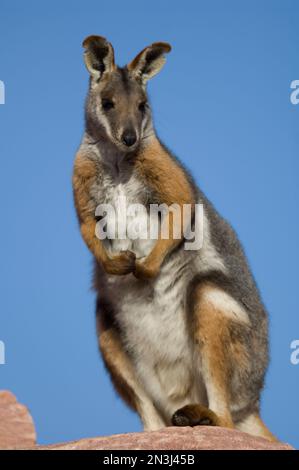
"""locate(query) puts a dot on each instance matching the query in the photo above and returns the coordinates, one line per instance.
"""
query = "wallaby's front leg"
(168, 181)
(150, 266)
(122, 263)
(84, 176)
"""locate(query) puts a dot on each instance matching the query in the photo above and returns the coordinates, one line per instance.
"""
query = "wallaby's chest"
(126, 221)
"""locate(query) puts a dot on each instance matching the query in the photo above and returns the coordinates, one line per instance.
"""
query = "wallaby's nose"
(129, 137)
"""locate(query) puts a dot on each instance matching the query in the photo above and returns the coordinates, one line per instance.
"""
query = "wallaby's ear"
(149, 61)
(98, 56)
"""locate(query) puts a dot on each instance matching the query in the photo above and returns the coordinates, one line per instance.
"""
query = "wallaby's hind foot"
(195, 415)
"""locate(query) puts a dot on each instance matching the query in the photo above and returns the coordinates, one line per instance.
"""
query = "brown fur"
(196, 415)
(118, 365)
(84, 176)
(213, 338)
(168, 181)
(212, 334)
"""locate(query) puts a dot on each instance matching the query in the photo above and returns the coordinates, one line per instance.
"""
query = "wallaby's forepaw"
(145, 271)
(123, 263)
(195, 415)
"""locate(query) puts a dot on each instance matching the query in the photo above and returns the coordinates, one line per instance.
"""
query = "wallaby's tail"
(253, 424)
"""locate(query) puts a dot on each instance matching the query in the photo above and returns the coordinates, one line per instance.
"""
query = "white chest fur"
(154, 325)
(128, 221)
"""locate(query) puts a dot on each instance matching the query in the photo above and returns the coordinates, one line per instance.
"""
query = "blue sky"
(221, 103)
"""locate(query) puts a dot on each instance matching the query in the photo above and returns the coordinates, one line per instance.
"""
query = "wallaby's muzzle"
(129, 137)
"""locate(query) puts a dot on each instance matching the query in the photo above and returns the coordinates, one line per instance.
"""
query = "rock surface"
(198, 438)
(16, 425)
(17, 432)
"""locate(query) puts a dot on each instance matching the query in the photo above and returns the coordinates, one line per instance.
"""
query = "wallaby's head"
(117, 103)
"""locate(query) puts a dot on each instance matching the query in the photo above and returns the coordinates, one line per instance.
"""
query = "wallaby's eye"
(142, 106)
(107, 104)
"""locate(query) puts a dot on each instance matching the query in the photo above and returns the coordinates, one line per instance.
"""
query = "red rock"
(16, 425)
(17, 432)
(198, 438)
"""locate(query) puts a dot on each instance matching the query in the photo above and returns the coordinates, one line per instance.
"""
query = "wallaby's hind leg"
(220, 330)
(254, 425)
(123, 377)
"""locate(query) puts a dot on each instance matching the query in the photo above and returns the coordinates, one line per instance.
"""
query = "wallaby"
(183, 333)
